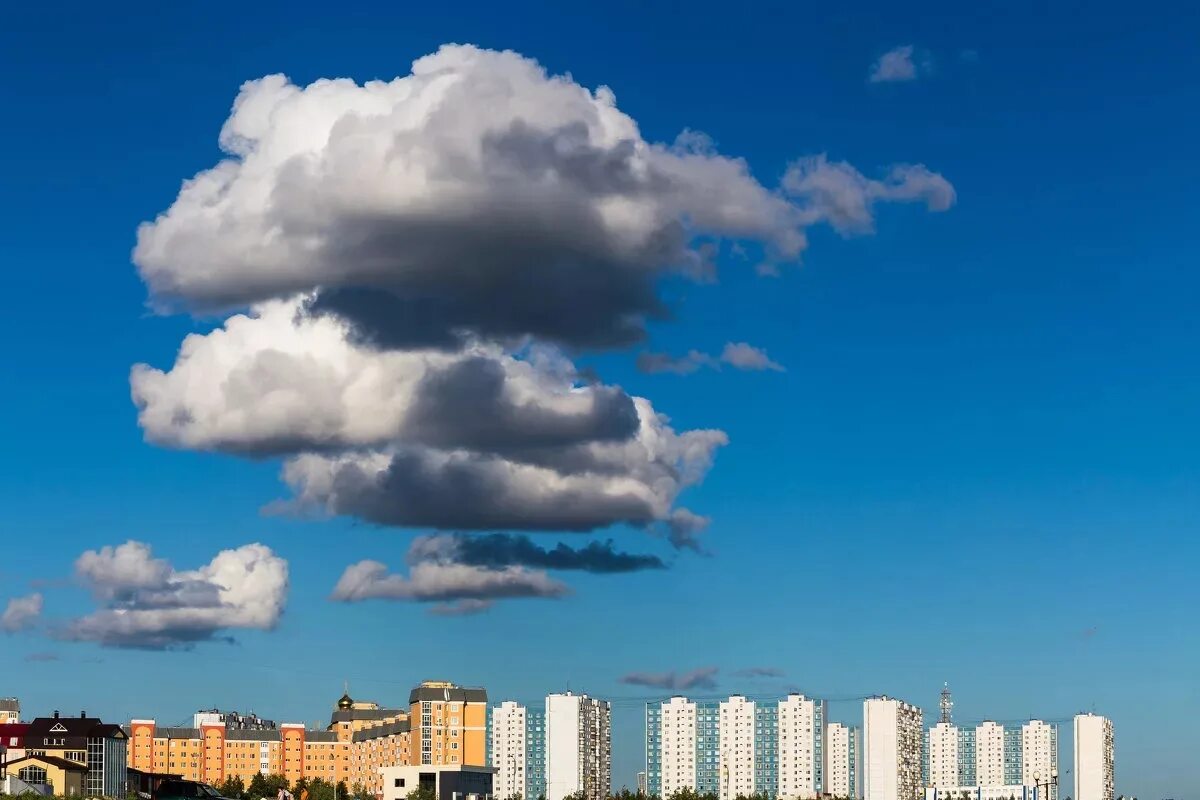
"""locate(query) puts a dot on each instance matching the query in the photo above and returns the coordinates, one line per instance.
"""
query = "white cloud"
(147, 603)
(899, 64)
(21, 613)
(469, 440)
(410, 255)
(478, 192)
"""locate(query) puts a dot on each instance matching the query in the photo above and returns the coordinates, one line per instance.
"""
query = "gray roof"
(244, 735)
(251, 735)
(9, 704)
(365, 713)
(456, 693)
(388, 729)
(177, 733)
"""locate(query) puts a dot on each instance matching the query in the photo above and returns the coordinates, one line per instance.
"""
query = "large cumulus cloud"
(477, 194)
(146, 603)
(403, 265)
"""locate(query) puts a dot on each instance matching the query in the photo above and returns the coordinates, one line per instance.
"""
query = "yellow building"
(63, 777)
(362, 738)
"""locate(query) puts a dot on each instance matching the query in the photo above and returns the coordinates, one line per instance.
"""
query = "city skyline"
(1040, 751)
(628, 350)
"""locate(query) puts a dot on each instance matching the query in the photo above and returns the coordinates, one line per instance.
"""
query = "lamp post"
(1051, 780)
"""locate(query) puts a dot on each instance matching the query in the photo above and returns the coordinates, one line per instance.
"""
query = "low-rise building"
(443, 781)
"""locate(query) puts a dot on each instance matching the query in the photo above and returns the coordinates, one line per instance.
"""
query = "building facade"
(843, 745)
(578, 746)
(517, 750)
(736, 747)
(892, 742)
(990, 755)
(81, 752)
(10, 710)
(360, 740)
(1094, 758)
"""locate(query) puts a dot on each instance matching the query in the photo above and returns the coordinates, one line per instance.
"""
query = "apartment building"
(736, 746)
(578, 746)
(213, 753)
(361, 739)
(892, 741)
(517, 750)
(843, 747)
(1094, 765)
(990, 755)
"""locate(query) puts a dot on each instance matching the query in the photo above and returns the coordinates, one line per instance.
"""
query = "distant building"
(578, 746)
(10, 710)
(444, 781)
(843, 748)
(641, 783)
(736, 747)
(892, 741)
(1094, 764)
(991, 755)
(1015, 792)
(517, 750)
(73, 755)
(232, 720)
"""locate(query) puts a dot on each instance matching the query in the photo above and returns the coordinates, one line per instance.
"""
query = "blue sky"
(978, 467)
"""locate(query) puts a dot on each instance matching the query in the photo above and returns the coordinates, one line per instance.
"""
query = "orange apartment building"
(443, 724)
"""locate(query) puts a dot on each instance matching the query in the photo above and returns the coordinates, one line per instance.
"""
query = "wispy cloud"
(900, 64)
(42, 656)
(759, 672)
(700, 678)
(739, 355)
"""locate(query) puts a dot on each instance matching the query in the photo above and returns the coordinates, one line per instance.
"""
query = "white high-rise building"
(989, 754)
(677, 747)
(892, 739)
(800, 744)
(1039, 755)
(736, 747)
(1093, 757)
(509, 721)
(736, 731)
(843, 744)
(578, 746)
(944, 756)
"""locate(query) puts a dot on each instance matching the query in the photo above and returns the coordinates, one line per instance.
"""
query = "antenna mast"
(946, 704)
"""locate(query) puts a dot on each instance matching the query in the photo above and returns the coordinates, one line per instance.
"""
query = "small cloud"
(41, 657)
(969, 55)
(1089, 633)
(460, 608)
(739, 355)
(21, 613)
(700, 678)
(900, 64)
(759, 672)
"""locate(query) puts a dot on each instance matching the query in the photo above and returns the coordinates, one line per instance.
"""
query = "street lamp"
(1051, 780)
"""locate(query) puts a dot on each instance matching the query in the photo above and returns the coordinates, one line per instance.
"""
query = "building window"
(33, 775)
